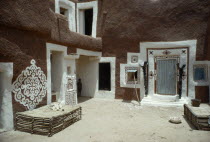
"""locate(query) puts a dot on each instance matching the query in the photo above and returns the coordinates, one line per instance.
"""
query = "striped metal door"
(166, 76)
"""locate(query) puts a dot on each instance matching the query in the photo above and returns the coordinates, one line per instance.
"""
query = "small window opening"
(199, 74)
(132, 75)
(64, 11)
(88, 21)
(104, 76)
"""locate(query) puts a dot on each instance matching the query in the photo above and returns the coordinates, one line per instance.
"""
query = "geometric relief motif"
(166, 52)
(71, 92)
(134, 59)
(30, 86)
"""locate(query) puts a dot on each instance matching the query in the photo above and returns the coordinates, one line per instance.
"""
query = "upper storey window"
(67, 8)
(86, 21)
(64, 11)
(87, 18)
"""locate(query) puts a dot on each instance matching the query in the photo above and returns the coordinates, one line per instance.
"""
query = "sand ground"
(117, 121)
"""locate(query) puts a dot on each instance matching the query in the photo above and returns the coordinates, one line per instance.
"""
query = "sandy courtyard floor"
(117, 121)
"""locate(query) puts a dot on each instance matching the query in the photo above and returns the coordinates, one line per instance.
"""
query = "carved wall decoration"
(134, 59)
(184, 51)
(71, 91)
(30, 86)
(166, 52)
(150, 52)
(151, 75)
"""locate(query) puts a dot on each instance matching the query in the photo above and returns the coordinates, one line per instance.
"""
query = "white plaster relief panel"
(71, 91)
(133, 58)
(30, 86)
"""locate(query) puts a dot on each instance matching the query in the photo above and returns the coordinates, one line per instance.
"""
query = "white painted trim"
(102, 93)
(88, 52)
(88, 5)
(177, 44)
(54, 47)
(71, 6)
(6, 116)
(207, 83)
(123, 82)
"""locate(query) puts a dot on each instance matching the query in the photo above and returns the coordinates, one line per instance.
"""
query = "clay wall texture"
(25, 28)
(124, 24)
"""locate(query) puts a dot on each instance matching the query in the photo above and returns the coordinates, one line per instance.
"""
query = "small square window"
(64, 11)
(132, 75)
(200, 73)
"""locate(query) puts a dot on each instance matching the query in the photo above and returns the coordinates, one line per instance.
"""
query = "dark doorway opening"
(88, 21)
(104, 76)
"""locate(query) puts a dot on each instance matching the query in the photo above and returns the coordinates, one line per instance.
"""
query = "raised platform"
(45, 121)
(166, 101)
(198, 116)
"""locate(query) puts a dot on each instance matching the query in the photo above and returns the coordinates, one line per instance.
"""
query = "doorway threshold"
(152, 101)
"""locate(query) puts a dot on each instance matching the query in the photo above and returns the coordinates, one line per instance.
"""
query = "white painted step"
(149, 101)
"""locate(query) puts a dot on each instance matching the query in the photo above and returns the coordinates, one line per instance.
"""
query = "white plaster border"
(6, 117)
(123, 82)
(88, 5)
(55, 47)
(88, 52)
(103, 93)
(71, 6)
(205, 83)
(191, 44)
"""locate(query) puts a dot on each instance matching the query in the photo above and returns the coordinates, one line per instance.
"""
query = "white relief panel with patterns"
(71, 91)
(30, 86)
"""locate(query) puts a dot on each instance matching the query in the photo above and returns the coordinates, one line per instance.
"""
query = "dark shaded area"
(88, 21)
(202, 93)
(63, 11)
(104, 76)
(189, 123)
(83, 99)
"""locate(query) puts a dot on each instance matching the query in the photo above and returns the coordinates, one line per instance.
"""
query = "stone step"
(148, 101)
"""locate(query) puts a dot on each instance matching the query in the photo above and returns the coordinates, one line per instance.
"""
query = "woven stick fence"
(200, 122)
(46, 126)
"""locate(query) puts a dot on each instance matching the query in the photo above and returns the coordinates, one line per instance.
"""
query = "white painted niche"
(56, 58)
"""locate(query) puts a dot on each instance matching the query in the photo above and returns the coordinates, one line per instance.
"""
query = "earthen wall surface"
(124, 24)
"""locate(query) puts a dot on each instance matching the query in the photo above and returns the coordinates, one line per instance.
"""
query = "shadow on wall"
(87, 70)
(83, 99)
